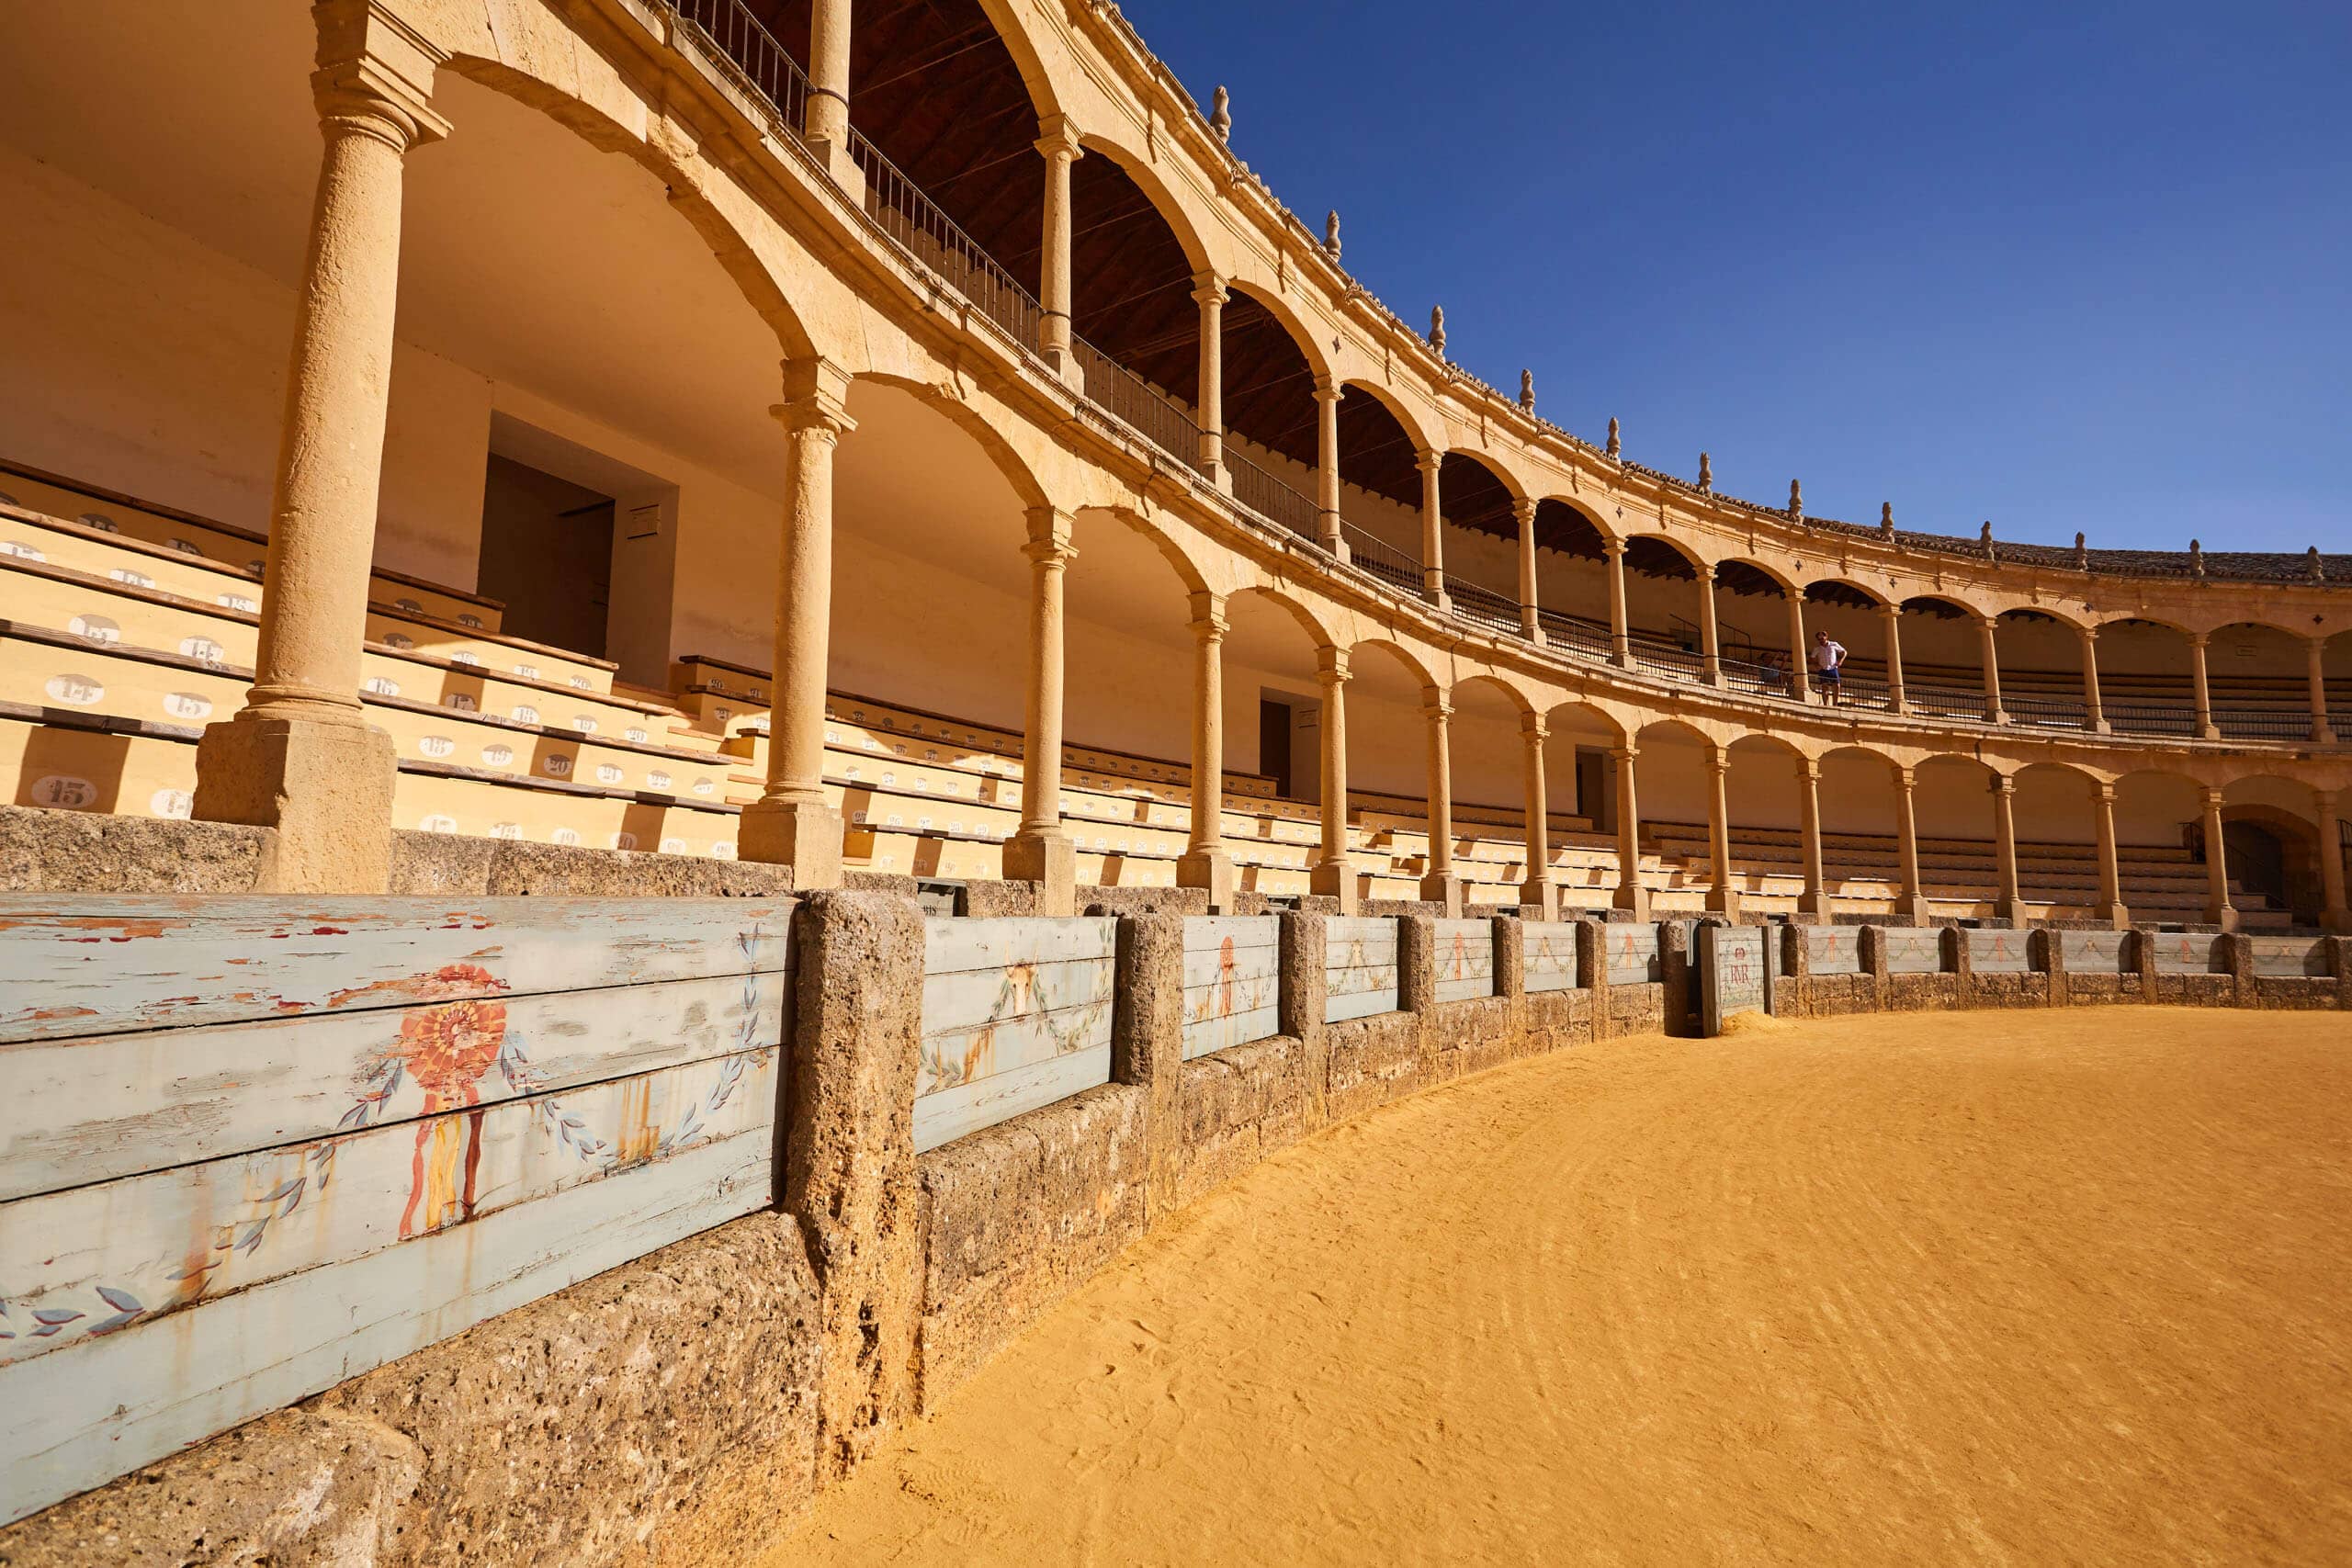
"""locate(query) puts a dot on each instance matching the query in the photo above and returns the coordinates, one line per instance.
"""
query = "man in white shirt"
(1828, 667)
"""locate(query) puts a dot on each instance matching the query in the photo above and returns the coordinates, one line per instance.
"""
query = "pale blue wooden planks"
(1232, 981)
(1464, 959)
(1016, 1014)
(1359, 967)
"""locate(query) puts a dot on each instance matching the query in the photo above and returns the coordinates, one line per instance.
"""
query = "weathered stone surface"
(1241, 1105)
(1015, 1214)
(1148, 1041)
(1556, 1019)
(45, 850)
(1304, 992)
(848, 1160)
(1921, 993)
(1001, 900)
(1144, 900)
(1637, 1010)
(1372, 1061)
(663, 1412)
(451, 863)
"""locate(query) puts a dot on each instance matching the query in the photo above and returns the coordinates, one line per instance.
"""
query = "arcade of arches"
(902, 441)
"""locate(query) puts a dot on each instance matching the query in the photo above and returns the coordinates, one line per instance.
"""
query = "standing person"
(1829, 666)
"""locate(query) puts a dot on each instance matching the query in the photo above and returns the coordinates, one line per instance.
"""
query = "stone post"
(1631, 895)
(2237, 952)
(2005, 901)
(301, 757)
(1721, 898)
(2339, 958)
(2202, 689)
(1536, 890)
(2334, 915)
(2140, 945)
(2053, 955)
(1592, 972)
(1303, 998)
(791, 823)
(1963, 965)
(1896, 700)
(2093, 712)
(826, 119)
(1332, 874)
(1041, 852)
(1204, 863)
(1531, 623)
(1061, 146)
(1869, 948)
(1439, 884)
(2218, 908)
(1328, 392)
(1209, 293)
(1815, 899)
(1800, 656)
(1621, 643)
(2109, 908)
(1710, 652)
(850, 1176)
(1987, 629)
(2322, 731)
(1416, 963)
(1432, 530)
(1911, 903)
(1148, 1043)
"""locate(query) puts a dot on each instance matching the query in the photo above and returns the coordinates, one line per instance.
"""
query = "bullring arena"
(858, 825)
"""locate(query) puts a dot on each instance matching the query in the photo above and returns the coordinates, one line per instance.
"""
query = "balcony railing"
(739, 44)
(1270, 498)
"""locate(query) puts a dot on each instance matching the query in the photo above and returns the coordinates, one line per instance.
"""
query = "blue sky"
(2060, 266)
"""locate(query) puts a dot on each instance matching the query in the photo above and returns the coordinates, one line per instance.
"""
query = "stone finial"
(1616, 447)
(1796, 500)
(1331, 233)
(2196, 558)
(1437, 330)
(1886, 518)
(1706, 474)
(1984, 535)
(2312, 568)
(1527, 392)
(2082, 552)
(1221, 114)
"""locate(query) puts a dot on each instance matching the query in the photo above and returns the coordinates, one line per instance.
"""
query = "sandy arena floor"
(1992, 1289)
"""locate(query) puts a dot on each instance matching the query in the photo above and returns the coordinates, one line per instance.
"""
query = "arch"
(1841, 590)
(1744, 571)
(1045, 92)
(1413, 661)
(1318, 634)
(1607, 722)
(1169, 547)
(1520, 701)
(735, 252)
(959, 412)
(1405, 416)
(1662, 554)
(1141, 174)
(1318, 361)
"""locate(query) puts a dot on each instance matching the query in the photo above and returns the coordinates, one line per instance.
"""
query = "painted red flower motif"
(448, 1048)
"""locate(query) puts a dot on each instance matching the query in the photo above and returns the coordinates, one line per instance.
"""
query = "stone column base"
(1910, 909)
(837, 163)
(1724, 901)
(803, 834)
(1634, 900)
(1444, 889)
(1541, 894)
(2225, 918)
(1814, 906)
(1050, 859)
(2113, 916)
(1210, 869)
(2337, 920)
(1335, 880)
(326, 786)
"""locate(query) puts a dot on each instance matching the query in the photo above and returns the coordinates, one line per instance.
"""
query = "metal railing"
(1943, 701)
(1483, 605)
(1270, 498)
(933, 239)
(1583, 639)
(2264, 724)
(1136, 403)
(1382, 560)
(2046, 713)
(1665, 659)
(2141, 718)
(759, 63)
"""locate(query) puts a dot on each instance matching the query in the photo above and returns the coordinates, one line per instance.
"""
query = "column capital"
(1989, 623)
(1718, 758)
(1809, 769)
(1889, 608)
(1429, 462)
(2087, 633)
(1703, 570)
(1523, 509)
(1611, 545)
(2003, 783)
(1049, 525)
(1331, 665)
(2103, 791)
(1534, 729)
(2211, 797)
(1208, 288)
(1623, 753)
(1208, 615)
(375, 73)
(2198, 639)
(1058, 137)
(1904, 778)
(1435, 707)
(816, 396)
(1329, 390)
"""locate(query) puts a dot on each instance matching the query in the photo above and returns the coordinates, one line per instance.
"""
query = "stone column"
(1800, 656)
(1894, 699)
(1631, 895)
(2092, 712)
(1620, 646)
(825, 121)
(1991, 654)
(791, 823)
(2218, 909)
(1711, 651)
(2006, 903)
(2109, 908)
(1209, 293)
(1537, 889)
(1440, 886)
(2334, 915)
(1041, 852)
(2322, 731)
(1529, 621)
(1815, 899)
(1432, 530)
(1332, 874)
(1059, 144)
(1204, 863)
(301, 757)
(1721, 898)
(1328, 392)
(2203, 695)
(1911, 903)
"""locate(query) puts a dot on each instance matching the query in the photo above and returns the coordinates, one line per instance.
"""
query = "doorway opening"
(547, 555)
